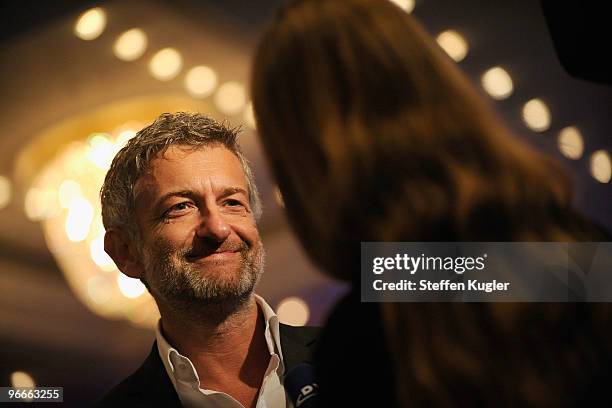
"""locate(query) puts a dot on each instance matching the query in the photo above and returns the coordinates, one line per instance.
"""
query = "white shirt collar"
(171, 356)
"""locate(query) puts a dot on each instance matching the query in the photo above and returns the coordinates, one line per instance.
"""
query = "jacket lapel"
(297, 344)
(157, 389)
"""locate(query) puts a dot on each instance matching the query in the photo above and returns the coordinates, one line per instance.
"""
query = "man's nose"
(213, 226)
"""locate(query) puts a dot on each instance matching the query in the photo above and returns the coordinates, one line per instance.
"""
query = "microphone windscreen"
(301, 386)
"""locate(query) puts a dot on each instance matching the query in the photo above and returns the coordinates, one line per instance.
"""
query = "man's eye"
(177, 208)
(233, 203)
(181, 206)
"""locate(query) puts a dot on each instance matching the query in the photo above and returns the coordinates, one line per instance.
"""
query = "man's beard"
(187, 287)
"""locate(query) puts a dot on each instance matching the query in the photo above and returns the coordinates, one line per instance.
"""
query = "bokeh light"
(166, 64)
(293, 311)
(99, 256)
(497, 83)
(130, 45)
(100, 289)
(571, 142)
(406, 5)
(230, 98)
(21, 379)
(101, 150)
(78, 221)
(90, 24)
(68, 191)
(536, 115)
(201, 81)
(453, 44)
(601, 166)
(6, 191)
(130, 287)
(40, 203)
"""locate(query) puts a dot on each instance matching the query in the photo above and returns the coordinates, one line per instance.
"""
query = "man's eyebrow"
(233, 190)
(178, 193)
(191, 194)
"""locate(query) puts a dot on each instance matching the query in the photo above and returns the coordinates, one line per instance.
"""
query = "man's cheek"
(247, 233)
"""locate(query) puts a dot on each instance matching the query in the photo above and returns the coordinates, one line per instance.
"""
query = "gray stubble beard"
(181, 286)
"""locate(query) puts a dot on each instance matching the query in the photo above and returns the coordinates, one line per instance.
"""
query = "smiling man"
(180, 206)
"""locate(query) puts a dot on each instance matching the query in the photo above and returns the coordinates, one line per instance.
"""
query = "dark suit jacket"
(150, 385)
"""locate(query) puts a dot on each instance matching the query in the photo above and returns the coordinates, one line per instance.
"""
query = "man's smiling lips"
(214, 256)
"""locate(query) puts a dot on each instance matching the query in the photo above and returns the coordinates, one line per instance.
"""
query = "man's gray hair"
(133, 160)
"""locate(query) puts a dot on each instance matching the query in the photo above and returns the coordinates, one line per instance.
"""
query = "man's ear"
(123, 252)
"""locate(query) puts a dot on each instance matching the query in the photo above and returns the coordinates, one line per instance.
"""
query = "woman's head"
(375, 135)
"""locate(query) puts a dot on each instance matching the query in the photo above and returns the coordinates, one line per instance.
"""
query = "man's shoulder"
(149, 385)
(127, 392)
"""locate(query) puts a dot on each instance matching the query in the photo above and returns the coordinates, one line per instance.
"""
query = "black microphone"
(301, 386)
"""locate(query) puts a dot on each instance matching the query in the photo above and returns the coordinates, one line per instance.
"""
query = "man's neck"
(226, 345)
(211, 330)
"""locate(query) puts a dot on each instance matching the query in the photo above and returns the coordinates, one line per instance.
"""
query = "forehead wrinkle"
(147, 180)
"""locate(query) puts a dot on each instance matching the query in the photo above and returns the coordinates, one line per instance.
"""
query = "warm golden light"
(68, 191)
(453, 44)
(90, 24)
(293, 311)
(33, 205)
(166, 64)
(123, 138)
(406, 5)
(601, 166)
(99, 289)
(497, 83)
(40, 203)
(21, 379)
(201, 81)
(230, 97)
(143, 315)
(570, 142)
(99, 256)
(130, 287)
(101, 150)
(249, 116)
(536, 115)
(78, 221)
(130, 45)
(5, 191)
